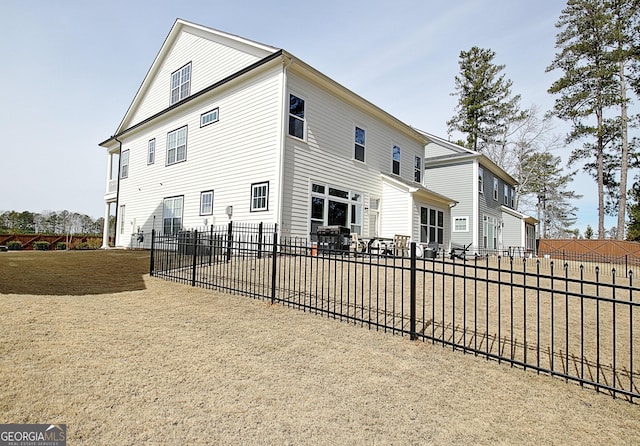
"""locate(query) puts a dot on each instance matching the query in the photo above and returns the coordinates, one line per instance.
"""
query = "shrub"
(14, 245)
(61, 246)
(41, 246)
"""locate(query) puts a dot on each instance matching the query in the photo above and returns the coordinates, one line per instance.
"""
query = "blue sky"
(71, 69)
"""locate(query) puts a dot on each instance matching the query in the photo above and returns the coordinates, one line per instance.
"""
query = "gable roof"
(418, 189)
(256, 49)
(460, 153)
(267, 54)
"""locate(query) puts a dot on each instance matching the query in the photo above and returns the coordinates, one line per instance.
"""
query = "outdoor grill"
(334, 238)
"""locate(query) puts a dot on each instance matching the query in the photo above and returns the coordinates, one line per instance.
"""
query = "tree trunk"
(600, 167)
(624, 164)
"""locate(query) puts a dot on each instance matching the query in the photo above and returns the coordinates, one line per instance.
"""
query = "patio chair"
(400, 245)
(459, 251)
(357, 245)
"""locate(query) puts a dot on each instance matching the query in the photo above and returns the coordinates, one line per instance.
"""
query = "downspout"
(283, 139)
(115, 229)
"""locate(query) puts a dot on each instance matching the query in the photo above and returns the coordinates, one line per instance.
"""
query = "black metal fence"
(578, 326)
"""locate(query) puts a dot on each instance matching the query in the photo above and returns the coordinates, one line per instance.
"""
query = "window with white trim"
(260, 196)
(206, 202)
(417, 169)
(209, 117)
(505, 191)
(481, 180)
(461, 224)
(121, 218)
(395, 168)
(151, 151)
(431, 225)
(181, 83)
(359, 144)
(335, 206)
(177, 145)
(495, 189)
(296, 117)
(489, 232)
(172, 215)
(124, 164)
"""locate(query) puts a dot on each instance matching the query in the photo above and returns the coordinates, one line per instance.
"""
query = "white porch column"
(105, 228)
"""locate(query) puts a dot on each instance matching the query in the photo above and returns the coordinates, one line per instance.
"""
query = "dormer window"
(181, 83)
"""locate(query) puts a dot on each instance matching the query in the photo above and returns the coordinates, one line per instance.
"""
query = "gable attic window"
(296, 117)
(177, 146)
(209, 117)
(181, 83)
(396, 160)
(359, 144)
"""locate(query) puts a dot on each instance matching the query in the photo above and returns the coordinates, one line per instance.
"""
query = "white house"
(226, 128)
(485, 217)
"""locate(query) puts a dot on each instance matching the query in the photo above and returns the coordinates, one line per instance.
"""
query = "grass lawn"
(90, 340)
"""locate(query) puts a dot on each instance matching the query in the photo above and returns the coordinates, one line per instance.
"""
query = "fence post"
(195, 257)
(412, 322)
(152, 262)
(260, 241)
(273, 267)
(211, 245)
(229, 240)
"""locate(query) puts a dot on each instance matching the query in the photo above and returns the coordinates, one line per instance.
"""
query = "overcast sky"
(71, 69)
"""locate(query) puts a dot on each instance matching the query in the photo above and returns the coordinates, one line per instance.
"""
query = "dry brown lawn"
(90, 340)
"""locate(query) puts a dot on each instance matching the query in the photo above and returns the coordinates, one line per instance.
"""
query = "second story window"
(505, 198)
(177, 145)
(495, 189)
(151, 153)
(209, 117)
(481, 180)
(358, 152)
(396, 160)
(296, 117)
(181, 83)
(124, 164)
(417, 169)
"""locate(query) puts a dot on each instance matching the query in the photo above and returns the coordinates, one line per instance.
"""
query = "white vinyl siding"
(210, 63)
(251, 121)
(328, 157)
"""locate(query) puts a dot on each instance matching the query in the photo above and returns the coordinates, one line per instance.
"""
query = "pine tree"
(587, 86)
(549, 185)
(598, 43)
(485, 104)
